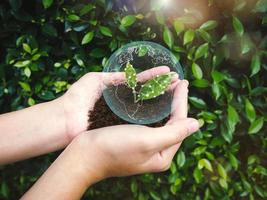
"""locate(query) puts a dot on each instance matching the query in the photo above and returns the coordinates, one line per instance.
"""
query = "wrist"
(90, 167)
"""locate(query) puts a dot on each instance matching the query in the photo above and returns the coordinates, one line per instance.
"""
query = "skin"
(97, 154)
(115, 151)
(51, 126)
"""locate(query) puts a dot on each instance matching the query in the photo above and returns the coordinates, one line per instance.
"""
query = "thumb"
(171, 134)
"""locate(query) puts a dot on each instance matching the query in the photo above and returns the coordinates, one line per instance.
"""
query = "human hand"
(82, 96)
(132, 149)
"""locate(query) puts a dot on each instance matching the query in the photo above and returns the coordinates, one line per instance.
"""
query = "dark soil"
(102, 116)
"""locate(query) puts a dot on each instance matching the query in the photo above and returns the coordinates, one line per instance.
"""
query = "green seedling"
(149, 90)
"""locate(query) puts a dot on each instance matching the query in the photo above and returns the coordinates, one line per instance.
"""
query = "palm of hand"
(82, 96)
(78, 100)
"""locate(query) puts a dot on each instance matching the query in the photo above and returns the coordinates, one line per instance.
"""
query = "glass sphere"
(119, 97)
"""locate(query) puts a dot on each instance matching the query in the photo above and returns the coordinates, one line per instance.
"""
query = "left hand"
(82, 96)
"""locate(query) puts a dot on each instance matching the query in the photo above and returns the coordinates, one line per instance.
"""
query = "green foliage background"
(45, 45)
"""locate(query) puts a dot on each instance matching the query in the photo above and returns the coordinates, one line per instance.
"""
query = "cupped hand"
(82, 96)
(133, 149)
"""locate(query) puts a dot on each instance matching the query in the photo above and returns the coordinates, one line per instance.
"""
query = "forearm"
(68, 177)
(32, 131)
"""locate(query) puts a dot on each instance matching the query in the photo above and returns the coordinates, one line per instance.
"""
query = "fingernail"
(193, 126)
(185, 82)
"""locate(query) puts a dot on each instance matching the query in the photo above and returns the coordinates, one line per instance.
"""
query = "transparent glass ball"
(142, 56)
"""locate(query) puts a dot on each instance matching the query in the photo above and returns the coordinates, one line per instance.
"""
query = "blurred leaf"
(209, 25)
(197, 175)
(238, 26)
(256, 126)
(178, 26)
(128, 20)
(155, 195)
(180, 159)
(25, 86)
(197, 102)
(250, 111)
(47, 3)
(261, 6)
(197, 72)
(221, 171)
(201, 83)
(255, 65)
(217, 76)
(189, 36)
(73, 17)
(87, 37)
(160, 18)
(105, 31)
(168, 37)
(205, 163)
(27, 48)
(27, 72)
(201, 50)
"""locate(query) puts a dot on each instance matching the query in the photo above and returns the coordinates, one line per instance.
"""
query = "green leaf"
(238, 26)
(5, 192)
(160, 17)
(221, 171)
(223, 183)
(142, 51)
(131, 78)
(201, 50)
(256, 126)
(27, 48)
(216, 90)
(178, 26)
(255, 65)
(105, 31)
(189, 36)
(25, 86)
(47, 3)
(197, 175)
(31, 101)
(201, 83)
(73, 17)
(88, 37)
(180, 159)
(233, 161)
(250, 111)
(197, 102)
(232, 117)
(168, 37)
(261, 6)
(22, 63)
(27, 71)
(217, 76)
(155, 87)
(128, 20)
(205, 163)
(154, 195)
(196, 70)
(209, 25)
(86, 9)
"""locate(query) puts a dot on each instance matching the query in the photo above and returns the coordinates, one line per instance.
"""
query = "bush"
(47, 45)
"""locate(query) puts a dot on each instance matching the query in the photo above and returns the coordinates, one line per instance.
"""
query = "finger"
(179, 103)
(113, 78)
(171, 134)
(116, 78)
(169, 153)
(161, 161)
(149, 74)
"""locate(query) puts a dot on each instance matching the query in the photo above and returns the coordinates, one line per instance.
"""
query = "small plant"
(151, 89)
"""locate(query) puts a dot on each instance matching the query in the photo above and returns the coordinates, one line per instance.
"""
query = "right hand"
(133, 149)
